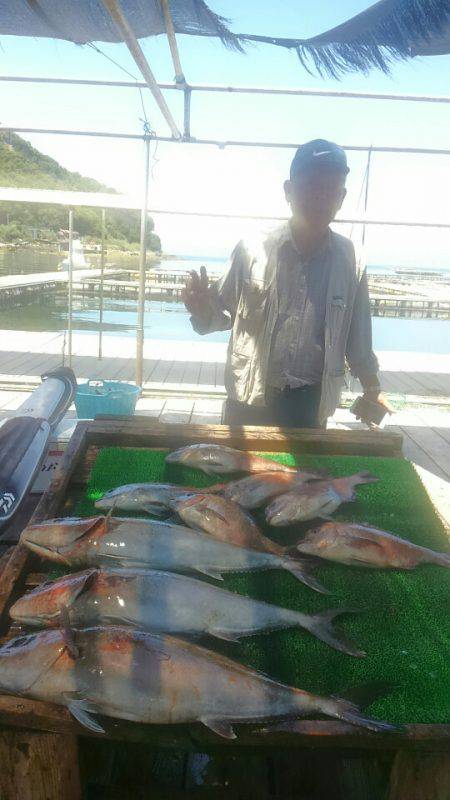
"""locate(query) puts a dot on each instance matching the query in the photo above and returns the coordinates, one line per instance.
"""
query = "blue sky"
(250, 180)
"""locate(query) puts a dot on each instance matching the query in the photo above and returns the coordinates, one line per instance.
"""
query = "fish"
(361, 545)
(217, 458)
(254, 491)
(165, 602)
(153, 498)
(138, 543)
(121, 672)
(224, 520)
(319, 499)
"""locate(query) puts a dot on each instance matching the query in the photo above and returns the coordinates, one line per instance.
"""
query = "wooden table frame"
(87, 439)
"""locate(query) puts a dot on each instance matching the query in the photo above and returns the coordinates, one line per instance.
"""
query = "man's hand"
(371, 408)
(378, 397)
(196, 296)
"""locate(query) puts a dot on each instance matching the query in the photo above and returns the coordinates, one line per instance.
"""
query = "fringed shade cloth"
(387, 31)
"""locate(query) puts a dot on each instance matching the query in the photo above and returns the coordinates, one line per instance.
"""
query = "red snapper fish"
(313, 500)
(361, 545)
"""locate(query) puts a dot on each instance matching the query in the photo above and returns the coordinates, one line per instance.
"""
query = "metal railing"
(187, 138)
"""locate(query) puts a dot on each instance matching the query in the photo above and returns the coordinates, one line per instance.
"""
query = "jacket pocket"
(253, 300)
(335, 316)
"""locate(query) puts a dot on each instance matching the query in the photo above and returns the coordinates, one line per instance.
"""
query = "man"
(295, 304)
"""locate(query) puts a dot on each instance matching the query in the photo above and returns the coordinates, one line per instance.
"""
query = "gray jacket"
(245, 300)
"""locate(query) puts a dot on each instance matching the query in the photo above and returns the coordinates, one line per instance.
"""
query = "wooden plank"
(149, 366)
(141, 432)
(420, 776)
(207, 375)
(38, 766)
(192, 372)
(161, 371)
(176, 372)
(177, 410)
(207, 411)
(435, 447)
(220, 374)
(37, 715)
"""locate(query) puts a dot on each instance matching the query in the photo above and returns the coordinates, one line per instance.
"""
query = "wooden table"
(39, 748)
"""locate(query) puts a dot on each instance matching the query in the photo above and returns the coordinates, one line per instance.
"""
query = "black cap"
(319, 153)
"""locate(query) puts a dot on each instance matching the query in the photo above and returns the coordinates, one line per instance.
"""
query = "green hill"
(21, 165)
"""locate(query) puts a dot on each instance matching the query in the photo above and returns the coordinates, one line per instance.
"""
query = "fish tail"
(440, 559)
(365, 477)
(300, 571)
(349, 712)
(321, 625)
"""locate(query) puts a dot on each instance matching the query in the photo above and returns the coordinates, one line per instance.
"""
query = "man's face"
(315, 196)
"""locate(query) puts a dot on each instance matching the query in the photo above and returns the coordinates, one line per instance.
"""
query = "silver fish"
(254, 491)
(165, 602)
(158, 679)
(100, 541)
(217, 458)
(349, 543)
(313, 500)
(153, 498)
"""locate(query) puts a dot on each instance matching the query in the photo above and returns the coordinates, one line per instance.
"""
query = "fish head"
(317, 540)
(63, 540)
(210, 458)
(184, 455)
(24, 660)
(43, 605)
(130, 495)
(209, 512)
(283, 510)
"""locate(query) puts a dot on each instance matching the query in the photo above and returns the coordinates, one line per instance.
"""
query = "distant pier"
(390, 295)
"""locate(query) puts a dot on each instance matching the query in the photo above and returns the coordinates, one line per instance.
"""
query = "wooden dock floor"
(185, 367)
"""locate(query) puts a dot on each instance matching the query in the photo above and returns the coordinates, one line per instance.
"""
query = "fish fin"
(225, 635)
(82, 710)
(211, 573)
(219, 726)
(366, 477)
(67, 632)
(213, 513)
(321, 627)
(154, 509)
(349, 712)
(300, 571)
(109, 515)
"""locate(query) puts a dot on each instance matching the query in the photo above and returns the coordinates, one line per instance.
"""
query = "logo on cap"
(322, 153)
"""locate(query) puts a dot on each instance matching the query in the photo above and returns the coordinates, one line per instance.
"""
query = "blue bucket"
(106, 397)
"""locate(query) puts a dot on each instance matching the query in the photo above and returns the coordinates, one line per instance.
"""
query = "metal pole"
(409, 98)
(362, 148)
(69, 304)
(366, 199)
(102, 270)
(187, 113)
(142, 265)
(115, 11)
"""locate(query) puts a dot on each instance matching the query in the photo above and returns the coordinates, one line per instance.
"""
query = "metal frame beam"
(263, 90)
(230, 143)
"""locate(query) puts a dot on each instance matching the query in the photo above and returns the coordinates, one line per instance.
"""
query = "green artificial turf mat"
(404, 624)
